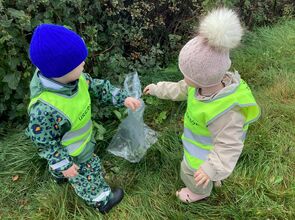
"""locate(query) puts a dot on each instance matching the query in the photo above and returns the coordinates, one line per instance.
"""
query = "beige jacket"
(227, 130)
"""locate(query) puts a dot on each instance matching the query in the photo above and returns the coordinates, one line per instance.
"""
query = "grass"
(261, 187)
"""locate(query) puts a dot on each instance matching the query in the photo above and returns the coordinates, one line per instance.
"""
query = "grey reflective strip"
(60, 164)
(244, 135)
(73, 147)
(230, 108)
(114, 93)
(102, 196)
(71, 134)
(195, 150)
(199, 138)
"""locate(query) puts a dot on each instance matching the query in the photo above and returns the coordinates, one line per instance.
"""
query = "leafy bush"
(256, 13)
(121, 36)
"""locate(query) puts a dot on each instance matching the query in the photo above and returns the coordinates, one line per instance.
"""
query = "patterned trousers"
(89, 184)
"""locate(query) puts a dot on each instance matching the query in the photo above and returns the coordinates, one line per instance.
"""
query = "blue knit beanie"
(56, 50)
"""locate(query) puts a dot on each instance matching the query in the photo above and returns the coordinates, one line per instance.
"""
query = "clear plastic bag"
(133, 136)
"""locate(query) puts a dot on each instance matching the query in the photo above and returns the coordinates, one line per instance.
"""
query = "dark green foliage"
(256, 13)
(121, 36)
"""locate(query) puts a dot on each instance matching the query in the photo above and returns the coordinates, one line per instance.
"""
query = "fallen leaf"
(15, 178)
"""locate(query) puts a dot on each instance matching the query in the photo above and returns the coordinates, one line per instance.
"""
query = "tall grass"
(261, 187)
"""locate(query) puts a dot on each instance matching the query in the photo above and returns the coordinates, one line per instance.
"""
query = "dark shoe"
(60, 180)
(117, 196)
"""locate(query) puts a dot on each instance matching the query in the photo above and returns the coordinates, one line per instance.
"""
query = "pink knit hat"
(205, 59)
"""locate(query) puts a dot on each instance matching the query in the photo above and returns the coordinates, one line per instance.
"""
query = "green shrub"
(256, 13)
(121, 36)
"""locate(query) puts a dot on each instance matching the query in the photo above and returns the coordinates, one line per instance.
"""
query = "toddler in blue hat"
(60, 113)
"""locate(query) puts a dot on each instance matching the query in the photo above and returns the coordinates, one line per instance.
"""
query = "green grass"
(261, 187)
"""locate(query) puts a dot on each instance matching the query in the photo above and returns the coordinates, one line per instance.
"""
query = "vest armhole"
(48, 104)
(30, 106)
(254, 119)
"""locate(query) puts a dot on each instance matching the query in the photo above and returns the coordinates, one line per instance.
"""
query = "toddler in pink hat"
(220, 105)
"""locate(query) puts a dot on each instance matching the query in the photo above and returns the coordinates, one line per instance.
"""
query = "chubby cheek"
(76, 75)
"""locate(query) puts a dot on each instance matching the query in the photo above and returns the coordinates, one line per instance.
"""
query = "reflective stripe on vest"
(194, 150)
(74, 148)
(70, 135)
(77, 109)
(205, 140)
(74, 140)
(196, 138)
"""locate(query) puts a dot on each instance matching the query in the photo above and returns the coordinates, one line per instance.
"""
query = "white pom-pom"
(221, 28)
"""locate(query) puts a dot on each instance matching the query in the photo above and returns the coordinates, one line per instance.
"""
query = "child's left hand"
(201, 178)
(132, 103)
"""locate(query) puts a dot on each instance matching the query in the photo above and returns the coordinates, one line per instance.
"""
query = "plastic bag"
(133, 136)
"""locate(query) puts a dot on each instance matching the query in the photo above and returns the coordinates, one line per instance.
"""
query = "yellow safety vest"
(77, 109)
(196, 138)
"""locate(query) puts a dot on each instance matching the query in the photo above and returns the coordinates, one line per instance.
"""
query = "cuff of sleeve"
(209, 170)
(61, 165)
(119, 101)
(153, 88)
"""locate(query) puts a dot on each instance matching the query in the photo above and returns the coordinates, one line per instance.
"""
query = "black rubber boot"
(117, 196)
(60, 181)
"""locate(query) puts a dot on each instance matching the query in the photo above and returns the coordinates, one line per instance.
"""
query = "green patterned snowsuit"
(47, 126)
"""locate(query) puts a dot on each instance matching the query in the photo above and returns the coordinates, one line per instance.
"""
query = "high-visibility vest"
(196, 138)
(77, 109)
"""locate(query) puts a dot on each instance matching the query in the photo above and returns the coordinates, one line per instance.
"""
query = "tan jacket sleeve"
(176, 91)
(227, 133)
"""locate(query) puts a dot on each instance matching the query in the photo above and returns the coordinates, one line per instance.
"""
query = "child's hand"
(201, 178)
(132, 103)
(149, 89)
(71, 172)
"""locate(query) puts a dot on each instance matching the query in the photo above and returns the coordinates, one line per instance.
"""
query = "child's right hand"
(149, 89)
(71, 172)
